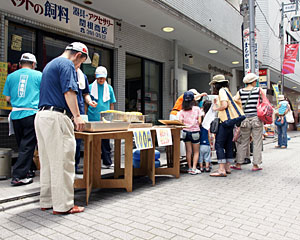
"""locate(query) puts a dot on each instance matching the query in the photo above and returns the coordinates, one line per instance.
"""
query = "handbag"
(264, 109)
(236, 134)
(233, 121)
(214, 125)
(289, 117)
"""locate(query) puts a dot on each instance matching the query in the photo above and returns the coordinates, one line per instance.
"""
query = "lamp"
(191, 58)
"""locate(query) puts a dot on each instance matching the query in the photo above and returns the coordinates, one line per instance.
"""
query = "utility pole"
(252, 35)
(285, 8)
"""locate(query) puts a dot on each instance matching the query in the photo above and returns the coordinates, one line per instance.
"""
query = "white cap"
(250, 77)
(80, 47)
(101, 72)
(28, 57)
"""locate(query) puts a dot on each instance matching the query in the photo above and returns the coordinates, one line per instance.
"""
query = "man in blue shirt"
(55, 130)
(22, 90)
(103, 94)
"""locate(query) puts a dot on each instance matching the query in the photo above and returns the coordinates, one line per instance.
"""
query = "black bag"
(214, 125)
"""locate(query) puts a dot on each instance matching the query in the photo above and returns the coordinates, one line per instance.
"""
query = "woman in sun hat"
(252, 125)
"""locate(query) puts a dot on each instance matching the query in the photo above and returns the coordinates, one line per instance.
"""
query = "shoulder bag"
(289, 117)
(214, 125)
(264, 109)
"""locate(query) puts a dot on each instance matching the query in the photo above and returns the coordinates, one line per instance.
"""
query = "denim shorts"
(204, 154)
(193, 137)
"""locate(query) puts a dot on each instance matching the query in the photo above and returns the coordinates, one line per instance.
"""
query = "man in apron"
(22, 90)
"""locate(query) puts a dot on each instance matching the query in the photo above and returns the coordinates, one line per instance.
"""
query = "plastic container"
(136, 154)
(136, 163)
(5, 163)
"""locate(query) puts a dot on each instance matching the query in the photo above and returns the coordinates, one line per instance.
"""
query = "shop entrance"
(143, 87)
(198, 79)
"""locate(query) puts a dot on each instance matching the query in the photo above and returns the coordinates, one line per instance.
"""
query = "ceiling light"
(168, 29)
(294, 87)
(143, 25)
(213, 51)
(235, 62)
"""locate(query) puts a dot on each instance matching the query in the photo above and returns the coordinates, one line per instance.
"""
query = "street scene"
(144, 119)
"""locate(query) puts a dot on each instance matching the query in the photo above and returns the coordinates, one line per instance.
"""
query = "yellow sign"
(276, 91)
(95, 60)
(3, 75)
(16, 43)
(142, 138)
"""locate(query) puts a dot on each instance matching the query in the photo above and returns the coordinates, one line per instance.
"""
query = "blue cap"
(188, 96)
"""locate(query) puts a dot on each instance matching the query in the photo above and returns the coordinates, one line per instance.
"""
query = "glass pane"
(152, 90)
(20, 40)
(133, 84)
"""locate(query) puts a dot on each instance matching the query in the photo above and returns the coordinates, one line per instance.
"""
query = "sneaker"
(202, 169)
(31, 174)
(108, 166)
(195, 171)
(189, 170)
(20, 182)
(246, 161)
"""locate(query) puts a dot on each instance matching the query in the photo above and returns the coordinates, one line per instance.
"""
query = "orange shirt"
(178, 105)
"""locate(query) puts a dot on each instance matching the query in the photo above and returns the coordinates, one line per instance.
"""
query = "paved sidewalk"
(244, 205)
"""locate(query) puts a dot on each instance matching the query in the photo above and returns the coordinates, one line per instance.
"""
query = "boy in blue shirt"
(22, 90)
(103, 94)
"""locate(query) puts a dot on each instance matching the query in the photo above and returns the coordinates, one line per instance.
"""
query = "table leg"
(117, 158)
(87, 173)
(96, 160)
(176, 152)
(128, 163)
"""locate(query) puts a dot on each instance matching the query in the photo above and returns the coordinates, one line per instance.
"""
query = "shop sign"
(262, 72)
(3, 75)
(142, 138)
(247, 63)
(16, 43)
(65, 15)
(276, 91)
(164, 136)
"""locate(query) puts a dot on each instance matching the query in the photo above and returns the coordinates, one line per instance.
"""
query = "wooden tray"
(105, 127)
(171, 122)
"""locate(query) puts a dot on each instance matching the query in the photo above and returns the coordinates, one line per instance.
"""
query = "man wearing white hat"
(103, 94)
(55, 130)
(22, 89)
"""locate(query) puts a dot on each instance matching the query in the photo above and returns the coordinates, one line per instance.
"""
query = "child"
(190, 116)
(205, 151)
(282, 107)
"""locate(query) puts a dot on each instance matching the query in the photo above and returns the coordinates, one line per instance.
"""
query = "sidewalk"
(30, 193)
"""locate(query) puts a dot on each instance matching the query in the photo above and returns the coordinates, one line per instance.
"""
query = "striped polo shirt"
(250, 110)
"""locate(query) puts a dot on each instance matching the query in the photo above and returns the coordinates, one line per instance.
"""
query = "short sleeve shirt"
(81, 92)
(190, 118)
(178, 105)
(59, 76)
(94, 113)
(23, 88)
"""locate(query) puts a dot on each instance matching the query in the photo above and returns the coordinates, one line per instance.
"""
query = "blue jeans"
(282, 134)
(224, 144)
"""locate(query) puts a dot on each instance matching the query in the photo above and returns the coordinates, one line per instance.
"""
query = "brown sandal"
(75, 209)
(218, 174)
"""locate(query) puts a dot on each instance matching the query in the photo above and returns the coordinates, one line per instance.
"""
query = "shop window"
(143, 87)
(20, 40)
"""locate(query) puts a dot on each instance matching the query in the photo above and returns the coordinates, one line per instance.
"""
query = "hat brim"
(251, 81)
(222, 80)
(88, 60)
(101, 76)
(197, 97)
(212, 82)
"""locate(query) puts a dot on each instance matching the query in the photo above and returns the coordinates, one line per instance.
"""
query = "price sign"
(142, 138)
(164, 136)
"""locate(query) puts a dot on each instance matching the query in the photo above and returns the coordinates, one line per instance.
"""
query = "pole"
(282, 45)
(175, 80)
(252, 35)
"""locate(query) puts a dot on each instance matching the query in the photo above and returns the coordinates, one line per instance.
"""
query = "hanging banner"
(290, 55)
(142, 138)
(3, 75)
(65, 15)
(276, 91)
(164, 136)
(247, 63)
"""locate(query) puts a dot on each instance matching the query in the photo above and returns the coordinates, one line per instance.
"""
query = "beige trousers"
(251, 126)
(56, 145)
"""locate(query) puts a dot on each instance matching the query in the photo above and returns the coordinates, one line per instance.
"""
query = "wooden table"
(92, 161)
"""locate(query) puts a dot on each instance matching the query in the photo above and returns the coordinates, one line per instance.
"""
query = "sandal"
(277, 146)
(228, 172)
(44, 209)
(75, 209)
(256, 169)
(235, 168)
(207, 169)
(218, 174)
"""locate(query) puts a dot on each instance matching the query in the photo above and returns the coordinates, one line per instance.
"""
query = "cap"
(188, 96)
(28, 57)
(80, 47)
(250, 77)
(101, 72)
(280, 97)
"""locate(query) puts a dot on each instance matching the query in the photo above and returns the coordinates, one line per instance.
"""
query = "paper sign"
(3, 75)
(95, 60)
(16, 43)
(164, 136)
(142, 138)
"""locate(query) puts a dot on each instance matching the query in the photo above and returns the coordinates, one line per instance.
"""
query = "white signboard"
(65, 15)
(247, 64)
(289, 7)
(164, 136)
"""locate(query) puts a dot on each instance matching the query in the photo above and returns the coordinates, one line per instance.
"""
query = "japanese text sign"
(142, 138)
(164, 136)
(65, 15)
(3, 75)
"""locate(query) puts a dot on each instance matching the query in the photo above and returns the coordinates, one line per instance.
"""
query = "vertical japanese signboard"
(3, 75)
(64, 15)
(247, 49)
